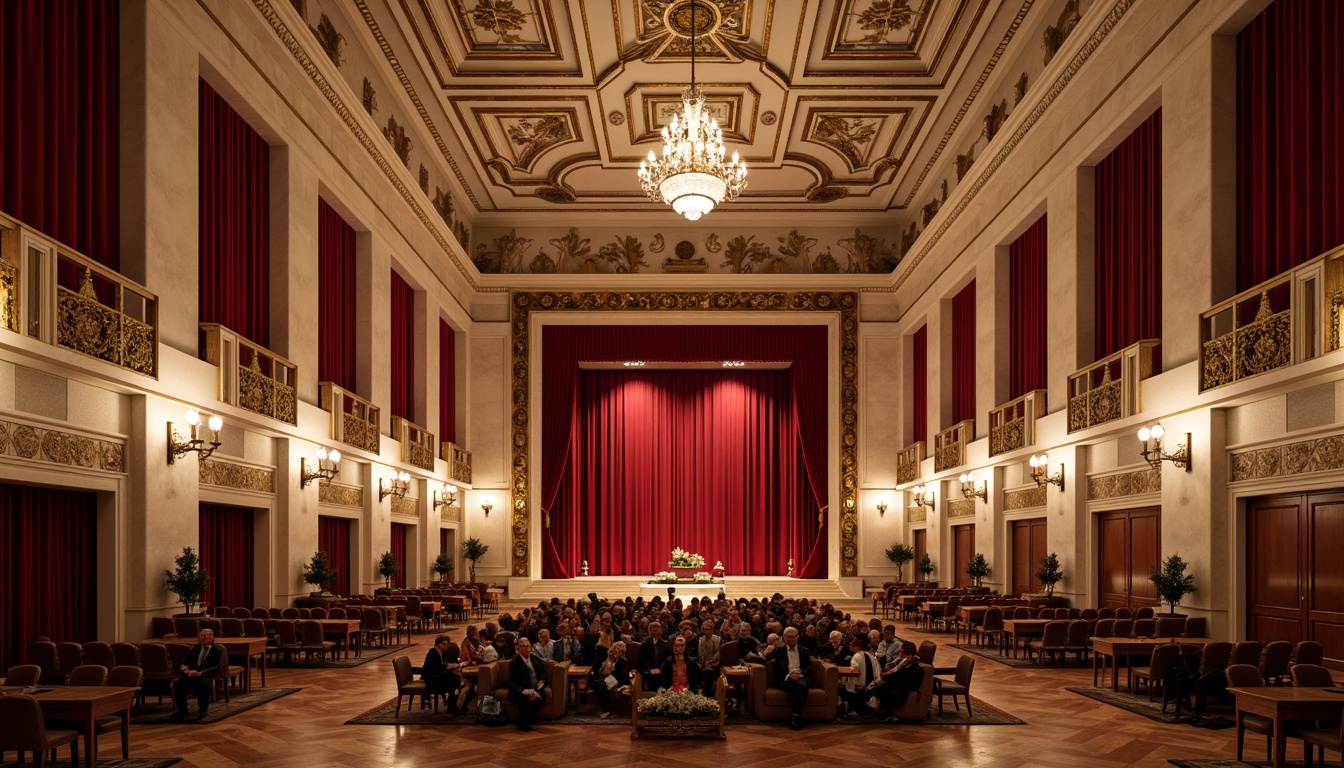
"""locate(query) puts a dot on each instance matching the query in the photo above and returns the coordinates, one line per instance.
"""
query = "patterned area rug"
(386, 714)
(369, 654)
(1216, 715)
(154, 713)
(1226, 764)
(139, 762)
(1021, 661)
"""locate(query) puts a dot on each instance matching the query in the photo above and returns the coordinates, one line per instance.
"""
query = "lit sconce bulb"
(335, 456)
(1144, 434)
(1158, 432)
(216, 423)
(321, 454)
(1034, 461)
(193, 417)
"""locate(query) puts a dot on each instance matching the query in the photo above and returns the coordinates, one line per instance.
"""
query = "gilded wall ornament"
(1325, 454)
(340, 495)
(1134, 483)
(960, 508)
(994, 121)
(743, 253)
(406, 506)
(237, 476)
(797, 248)
(1020, 89)
(498, 17)
(401, 143)
(542, 264)
(571, 250)
(533, 137)
(964, 163)
(84, 324)
(370, 98)
(883, 17)
(332, 42)
(916, 514)
(624, 254)
(867, 253)
(851, 136)
(1054, 36)
(9, 296)
(424, 179)
(27, 441)
(1024, 498)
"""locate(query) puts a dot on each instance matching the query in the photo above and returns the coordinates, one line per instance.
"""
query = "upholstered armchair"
(494, 679)
(823, 693)
(917, 704)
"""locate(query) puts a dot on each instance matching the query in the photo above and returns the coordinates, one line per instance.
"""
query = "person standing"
(793, 670)
(527, 678)
(199, 668)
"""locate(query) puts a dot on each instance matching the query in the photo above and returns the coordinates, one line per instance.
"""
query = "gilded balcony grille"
(908, 463)
(1109, 388)
(949, 446)
(354, 420)
(9, 296)
(1012, 426)
(251, 376)
(459, 463)
(417, 443)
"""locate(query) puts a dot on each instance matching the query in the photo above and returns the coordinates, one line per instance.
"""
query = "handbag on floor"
(489, 711)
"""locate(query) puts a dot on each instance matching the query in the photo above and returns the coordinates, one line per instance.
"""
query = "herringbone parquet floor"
(307, 729)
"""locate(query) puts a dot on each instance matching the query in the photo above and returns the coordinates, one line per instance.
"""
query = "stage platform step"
(612, 587)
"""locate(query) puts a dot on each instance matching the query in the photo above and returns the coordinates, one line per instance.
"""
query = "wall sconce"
(970, 489)
(1151, 437)
(179, 446)
(447, 497)
(486, 507)
(1040, 470)
(399, 486)
(882, 507)
(921, 497)
(328, 467)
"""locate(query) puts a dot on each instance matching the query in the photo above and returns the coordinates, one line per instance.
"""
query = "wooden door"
(1029, 548)
(1295, 577)
(963, 537)
(921, 549)
(1129, 546)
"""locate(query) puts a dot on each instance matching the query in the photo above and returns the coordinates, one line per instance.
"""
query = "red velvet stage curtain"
(48, 568)
(1290, 137)
(336, 297)
(963, 354)
(333, 537)
(235, 222)
(447, 384)
(403, 348)
(1027, 259)
(749, 492)
(226, 554)
(398, 549)
(59, 143)
(919, 380)
(1128, 274)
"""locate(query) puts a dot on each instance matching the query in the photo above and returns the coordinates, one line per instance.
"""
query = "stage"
(618, 587)
(685, 590)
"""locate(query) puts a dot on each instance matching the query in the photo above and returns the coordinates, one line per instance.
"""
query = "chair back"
(154, 659)
(1248, 652)
(125, 677)
(1144, 612)
(222, 612)
(187, 627)
(1164, 658)
(1243, 676)
(1308, 652)
(311, 632)
(25, 729)
(1145, 627)
(1170, 626)
(401, 667)
(305, 613)
(1311, 676)
(88, 674)
(214, 625)
(413, 606)
(965, 666)
(1274, 662)
(162, 625)
(1104, 628)
(1105, 613)
(242, 613)
(336, 613)
(728, 654)
(926, 651)
(371, 619)
(71, 655)
(319, 613)
(254, 628)
(24, 675)
(293, 614)
(1123, 613)
(993, 620)
(279, 613)
(286, 633)
(1089, 614)
(1056, 633)
(231, 627)
(1217, 655)
(125, 655)
(177, 653)
(1021, 612)
(1075, 613)
(100, 653)
(1123, 627)
(1078, 631)
(1063, 614)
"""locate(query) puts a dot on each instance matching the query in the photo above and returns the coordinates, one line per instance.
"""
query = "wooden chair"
(1248, 652)
(1154, 676)
(1076, 643)
(1054, 640)
(286, 641)
(44, 654)
(1122, 628)
(959, 685)
(1316, 676)
(1275, 661)
(242, 613)
(1144, 612)
(118, 677)
(1308, 652)
(319, 613)
(293, 614)
(336, 613)
(407, 685)
(1248, 676)
(23, 675)
(1170, 626)
(1216, 655)
(1323, 739)
(1196, 626)
(162, 625)
(157, 669)
(372, 628)
(222, 612)
(1105, 613)
(1146, 627)
(312, 641)
(225, 678)
(1312, 676)
(100, 653)
(992, 626)
(305, 613)
(25, 731)
(254, 628)
(187, 627)
(125, 655)
(1124, 613)
(88, 674)
(71, 655)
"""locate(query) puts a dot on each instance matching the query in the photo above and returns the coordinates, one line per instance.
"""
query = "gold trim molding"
(918, 514)
(405, 506)
(1322, 454)
(843, 303)
(34, 443)
(340, 495)
(1119, 485)
(226, 474)
(961, 508)
(1024, 498)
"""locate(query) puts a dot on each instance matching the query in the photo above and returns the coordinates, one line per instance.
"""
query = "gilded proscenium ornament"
(843, 303)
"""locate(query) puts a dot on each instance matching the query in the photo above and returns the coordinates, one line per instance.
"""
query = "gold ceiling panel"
(879, 29)
(859, 137)
(519, 137)
(505, 28)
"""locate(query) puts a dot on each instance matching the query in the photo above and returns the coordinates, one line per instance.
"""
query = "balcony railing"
(354, 420)
(417, 443)
(459, 462)
(1109, 388)
(52, 293)
(1286, 320)
(949, 446)
(1013, 425)
(251, 376)
(908, 462)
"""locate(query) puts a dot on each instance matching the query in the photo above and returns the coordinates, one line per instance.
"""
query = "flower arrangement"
(702, 577)
(683, 559)
(664, 577)
(681, 705)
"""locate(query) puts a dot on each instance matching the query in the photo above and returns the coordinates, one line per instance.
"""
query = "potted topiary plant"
(900, 554)
(1049, 574)
(318, 573)
(189, 581)
(978, 568)
(473, 549)
(443, 566)
(1172, 582)
(925, 566)
(388, 567)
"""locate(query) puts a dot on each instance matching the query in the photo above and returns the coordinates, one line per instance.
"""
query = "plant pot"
(684, 573)
(977, 590)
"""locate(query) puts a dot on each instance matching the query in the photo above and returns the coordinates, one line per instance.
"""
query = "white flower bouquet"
(703, 577)
(664, 577)
(683, 559)
(682, 705)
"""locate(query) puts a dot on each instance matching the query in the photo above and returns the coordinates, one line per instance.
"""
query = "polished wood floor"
(308, 729)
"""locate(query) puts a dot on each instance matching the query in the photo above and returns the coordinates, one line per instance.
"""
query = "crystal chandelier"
(692, 175)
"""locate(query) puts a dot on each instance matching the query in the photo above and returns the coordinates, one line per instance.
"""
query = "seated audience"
(609, 677)
(900, 679)
(793, 671)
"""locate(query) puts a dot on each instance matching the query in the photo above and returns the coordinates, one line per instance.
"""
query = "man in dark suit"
(793, 671)
(570, 645)
(440, 671)
(527, 678)
(654, 652)
(900, 680)
(198, 675)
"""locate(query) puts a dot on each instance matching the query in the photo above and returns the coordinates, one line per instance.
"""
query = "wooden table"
(1117, 648)
(430, 610)
(87, 703)
(577, 674)
(1282, 704)
(249, 647)
(930, 608)
(345, 628)
(739, 678)
(1017, 628)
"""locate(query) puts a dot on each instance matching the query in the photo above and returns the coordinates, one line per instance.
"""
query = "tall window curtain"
(399, 552)
(1027, 259)
(59, 116)
(336, 297)
(333, 537)
(1290, 137)
(235, 221)
(963, 354)
(49, 568)
(736, 461)
(1128, 274)
(447, 384)
(226, 553)
(919, 381)
(403, 348)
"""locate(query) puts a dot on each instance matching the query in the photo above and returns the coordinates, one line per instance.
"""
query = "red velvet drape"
(963, 354)
(793, 466)
(333, 537)
(447, 383)
(1290, 137)
(1027, 259)
(226, 554)
(398, 549)
(403, 348)
(48, 568)
(59, 114)
(336, 297)
(1128, 274)
(919, 385)
(235, 221)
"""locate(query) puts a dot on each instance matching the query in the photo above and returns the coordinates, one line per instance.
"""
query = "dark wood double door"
(1129, 545)
(1295, 569)
(963, 549)
(1029, 548)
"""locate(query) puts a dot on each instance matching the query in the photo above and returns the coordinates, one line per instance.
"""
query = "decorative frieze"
(341, 495)
(1317, 455)
(405, 506)
(916, 514)
(1133, 483)
(237, 476)
(960, 508)
(34, 443)
(450, 513)
(1024, 498)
